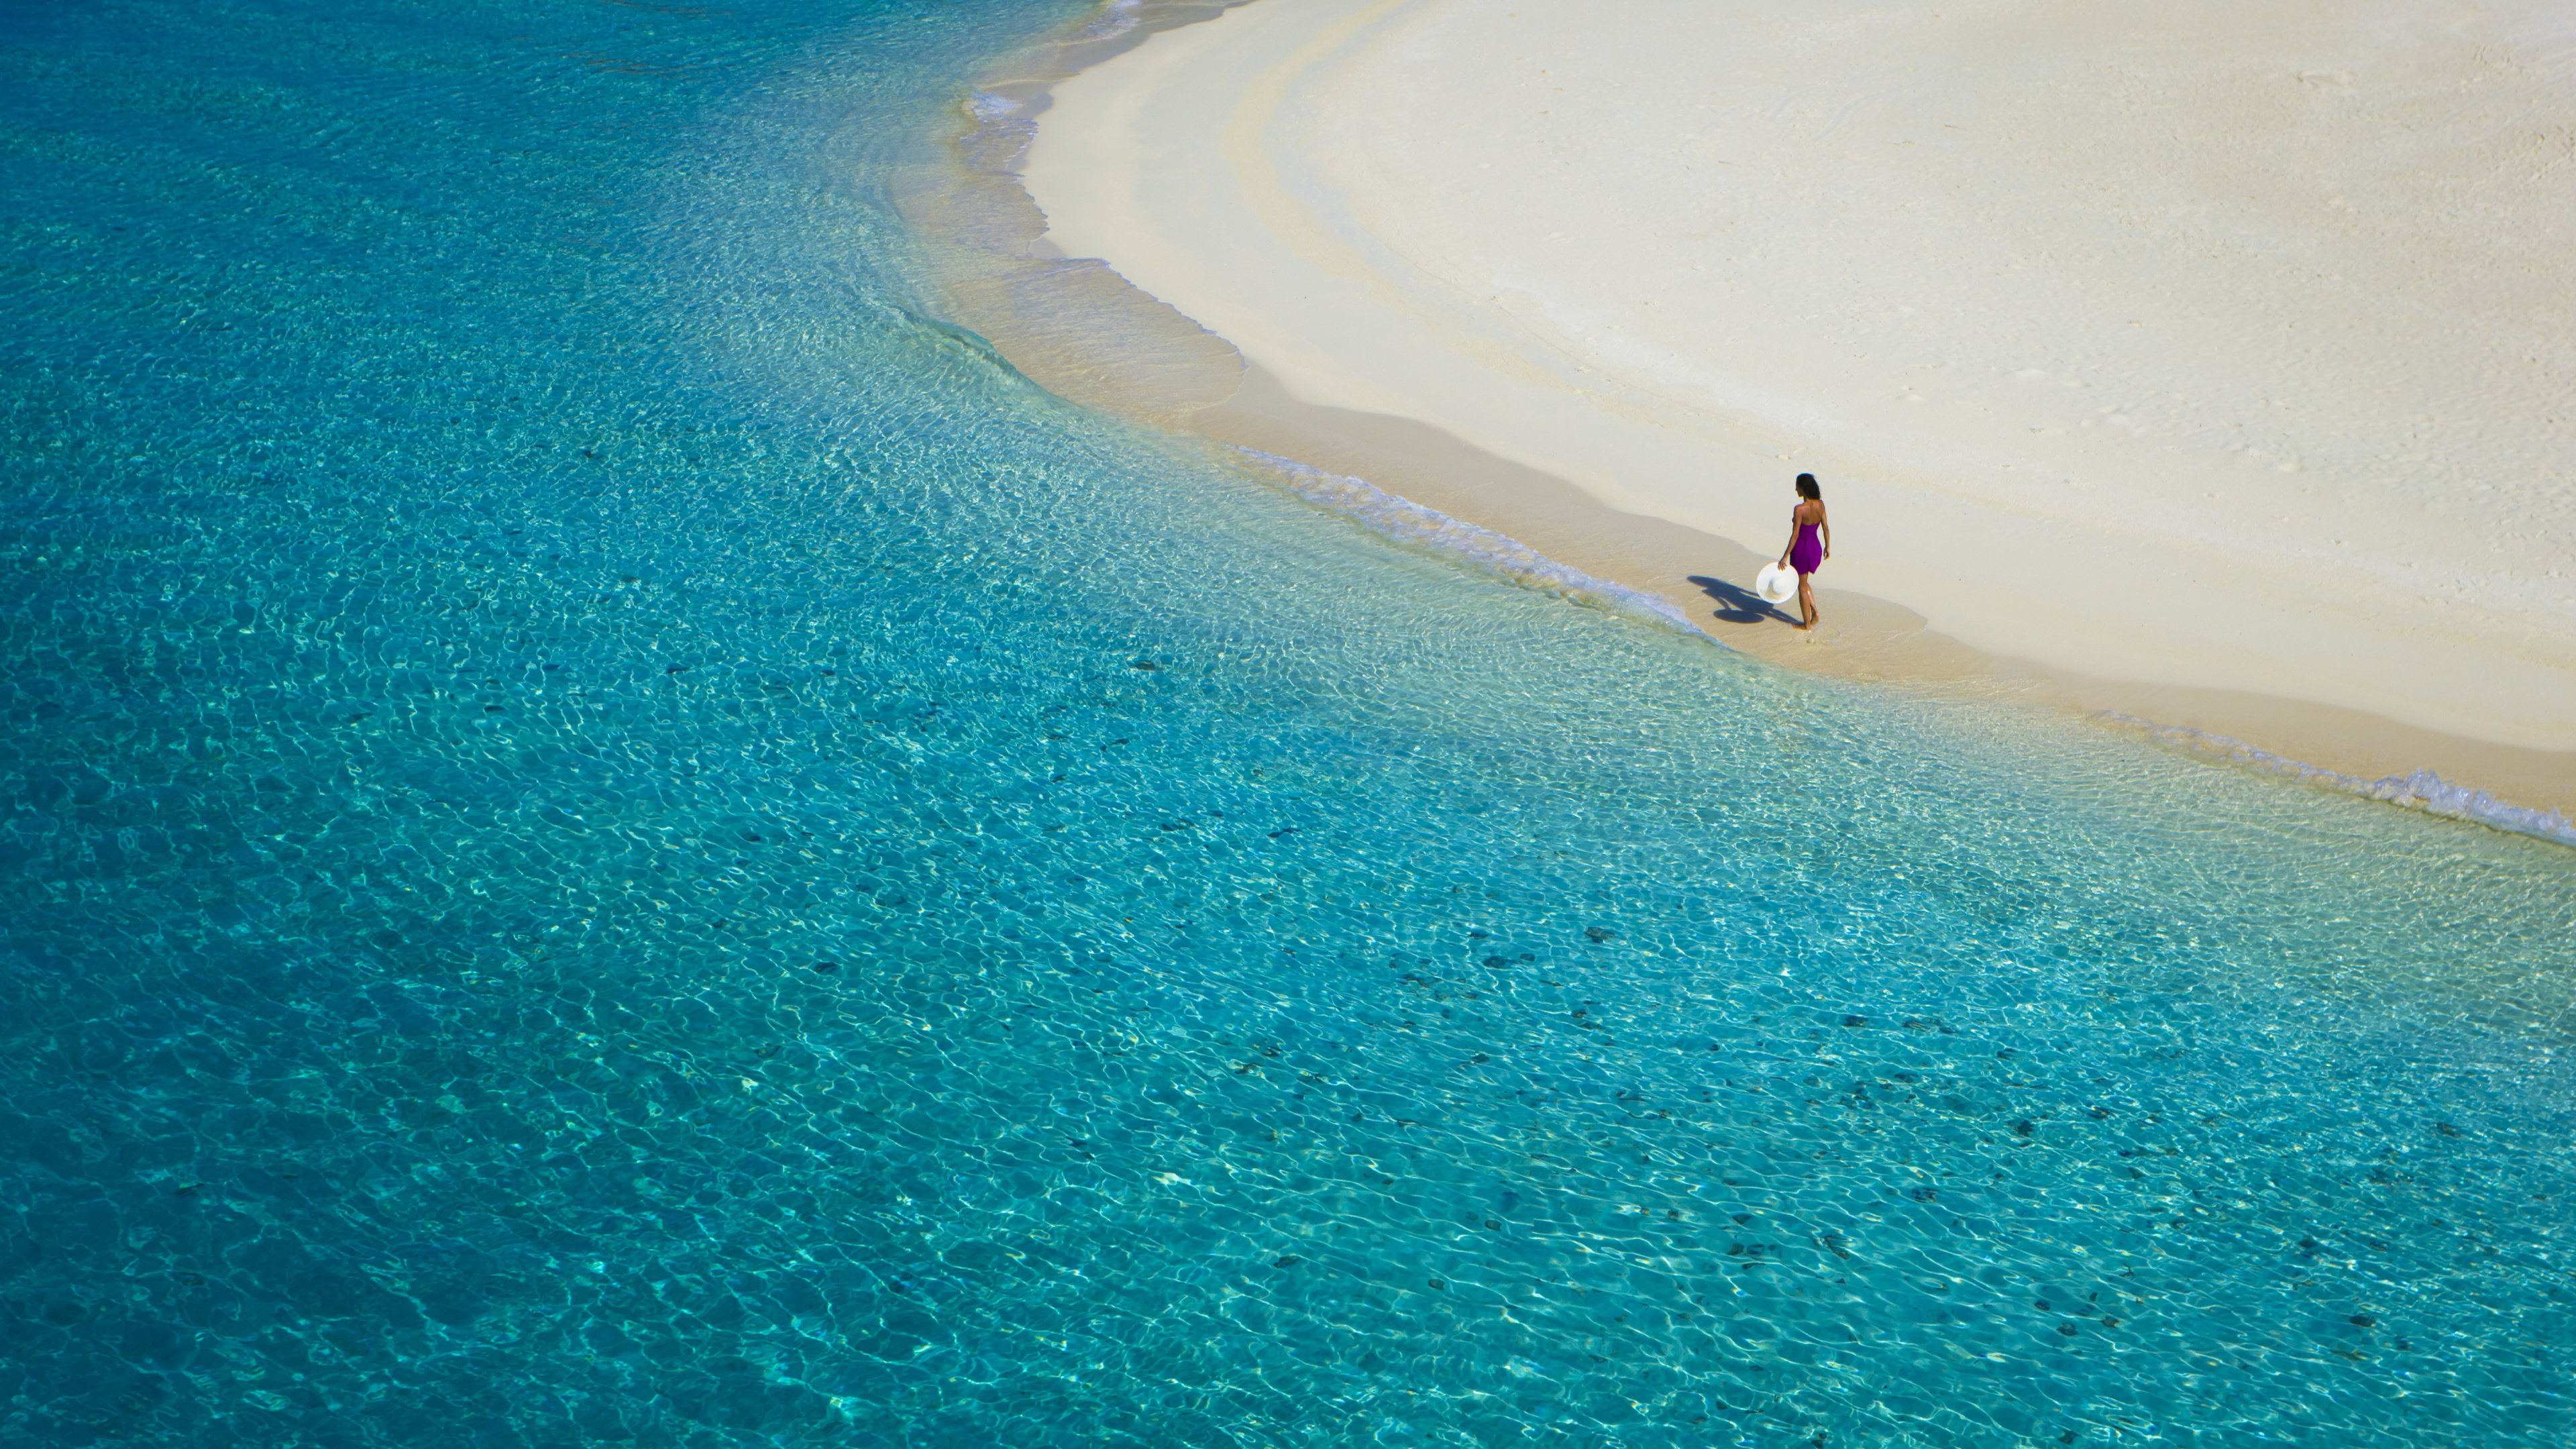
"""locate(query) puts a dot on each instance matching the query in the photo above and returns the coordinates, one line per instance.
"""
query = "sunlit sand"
(2203, 346)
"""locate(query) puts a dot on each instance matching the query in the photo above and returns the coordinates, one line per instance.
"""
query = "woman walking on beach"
(1811, 542)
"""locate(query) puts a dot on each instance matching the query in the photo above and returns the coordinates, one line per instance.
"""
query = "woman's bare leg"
(1807, 600)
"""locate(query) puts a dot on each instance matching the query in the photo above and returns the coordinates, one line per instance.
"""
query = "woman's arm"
(1825, 530)
(1793, 536)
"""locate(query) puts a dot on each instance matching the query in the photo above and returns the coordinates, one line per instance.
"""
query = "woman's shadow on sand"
(1739, 605)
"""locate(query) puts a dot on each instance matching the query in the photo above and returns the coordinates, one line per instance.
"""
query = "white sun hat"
(1775, 584)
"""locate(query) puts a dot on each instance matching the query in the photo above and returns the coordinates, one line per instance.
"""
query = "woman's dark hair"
(1807, 487)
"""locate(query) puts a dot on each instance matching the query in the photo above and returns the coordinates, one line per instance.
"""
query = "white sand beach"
(2207, 349)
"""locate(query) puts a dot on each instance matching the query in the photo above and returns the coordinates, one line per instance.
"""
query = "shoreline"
(1083, 331)
(1707, 580)
(1072, 326)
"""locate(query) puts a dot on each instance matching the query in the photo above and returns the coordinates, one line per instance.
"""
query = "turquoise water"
(616, 836)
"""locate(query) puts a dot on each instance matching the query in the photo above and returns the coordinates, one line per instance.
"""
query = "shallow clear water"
(616, 836)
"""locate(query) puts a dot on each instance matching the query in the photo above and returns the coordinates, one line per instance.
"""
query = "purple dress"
(1806, 555)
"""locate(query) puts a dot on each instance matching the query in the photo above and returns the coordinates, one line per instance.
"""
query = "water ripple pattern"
(615, 835)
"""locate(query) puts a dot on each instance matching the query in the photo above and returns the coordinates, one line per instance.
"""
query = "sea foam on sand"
(2213, 345)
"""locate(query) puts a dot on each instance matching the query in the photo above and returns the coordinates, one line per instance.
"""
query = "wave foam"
(1406, 521)
(1116, 18)
(2422, 790)
(989, 109)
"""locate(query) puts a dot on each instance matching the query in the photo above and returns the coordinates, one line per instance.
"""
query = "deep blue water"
(615, 835)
